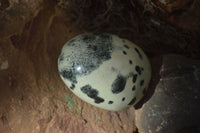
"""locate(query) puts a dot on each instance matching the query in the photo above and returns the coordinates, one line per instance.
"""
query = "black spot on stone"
(92, 93)
(134, 78)
(133, 88)
(68, 74)
(123, 98)
(138, 70)
(126, 46)
(141, 82)
(132, 101)
(72, 87)
(110, 102)
(93, 47)
(124, 52)
(130, 62)
(98, 100)
(106, 56)
(85, 89)
(138, 52)
(123, 41)
(119, 84)
(73, 65)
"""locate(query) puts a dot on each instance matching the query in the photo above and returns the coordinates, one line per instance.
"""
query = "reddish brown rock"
(175, 104)
(14, 15)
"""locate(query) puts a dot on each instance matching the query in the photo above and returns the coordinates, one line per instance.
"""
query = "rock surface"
(14, 14)
(174, 106)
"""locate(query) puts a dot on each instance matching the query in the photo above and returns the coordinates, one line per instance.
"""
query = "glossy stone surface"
(104, 70)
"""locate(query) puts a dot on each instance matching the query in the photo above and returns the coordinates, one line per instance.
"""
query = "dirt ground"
(33, 99)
